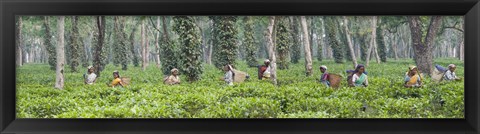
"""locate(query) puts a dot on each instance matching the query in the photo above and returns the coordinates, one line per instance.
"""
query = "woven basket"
(125, 80)
(239, 76)
(335, 80)
(437, 76)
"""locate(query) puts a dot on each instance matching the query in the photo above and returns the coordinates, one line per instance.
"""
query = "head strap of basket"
(324, 67)
(230, 67)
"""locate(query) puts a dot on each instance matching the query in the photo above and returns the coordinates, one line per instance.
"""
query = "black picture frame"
(9, 8)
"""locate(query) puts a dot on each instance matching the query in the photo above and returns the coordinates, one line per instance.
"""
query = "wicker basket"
(335, 80)
(125, 80)
(239, 76)
(437, 75)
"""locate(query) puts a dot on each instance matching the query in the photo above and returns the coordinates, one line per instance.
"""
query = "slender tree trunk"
(375, 50)
(347, 32)
(460, 49)
(19, 41)
(308, 55)
(157, 49)
(372, 44)
(311, 39)
(394, 47)
(59, 81)
(271, 51)
(143, 44)
(147, 45)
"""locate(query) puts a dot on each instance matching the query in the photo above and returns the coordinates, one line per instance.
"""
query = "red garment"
(260, 72)
(262, 69)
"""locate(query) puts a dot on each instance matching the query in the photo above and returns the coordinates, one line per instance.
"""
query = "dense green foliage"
(282, 43)
(295, 47)
(120, 46)
(74, 55)
(249, 41)
(225, 42)
(331, 28)
(168, 50)
(191, 50)
(52, 61)
(296, 96)
(133, 54)
(382, 49)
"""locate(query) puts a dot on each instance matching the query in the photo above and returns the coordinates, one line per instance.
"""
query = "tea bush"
(296, 95)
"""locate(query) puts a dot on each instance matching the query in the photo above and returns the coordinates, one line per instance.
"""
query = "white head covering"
(89, 67)
(173, 70)
(323, 66)
(451, 65)
(266, 60)
(230, 67)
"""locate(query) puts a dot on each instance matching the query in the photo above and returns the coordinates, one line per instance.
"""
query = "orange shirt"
(116, 82)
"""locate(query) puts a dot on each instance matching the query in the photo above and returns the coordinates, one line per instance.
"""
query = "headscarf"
(323, 66)
(266, 60)
(451, 66)
(89, 67)
(173, 70)
(411, 68)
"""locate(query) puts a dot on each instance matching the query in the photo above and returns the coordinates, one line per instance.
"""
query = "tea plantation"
(296, 96)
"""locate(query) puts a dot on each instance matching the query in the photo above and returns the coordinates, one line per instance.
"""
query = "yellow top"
(116, 82)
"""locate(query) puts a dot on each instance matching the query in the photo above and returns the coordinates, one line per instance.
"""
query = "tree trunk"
(100, 38)
(147, 45)
(423, 49)
(143, 44)
(59, 81)
(308, 55)
(157, 49)
(460, 49)
(19, 41)
(375, 50)
(311, 39)
(132, 45)
(394, 47)
(372, 44)
(347, 32)
(271, 51)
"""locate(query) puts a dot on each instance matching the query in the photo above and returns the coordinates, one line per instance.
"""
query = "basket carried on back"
(125, 80)
(335, 80)
(437, 75)
(239, 76)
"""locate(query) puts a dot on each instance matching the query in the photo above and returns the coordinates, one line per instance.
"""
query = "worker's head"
(360, 69)
(116, 74)
(413, 70)
(323, 68)
(174, 71)
(266, 62)
(90, 69)
(227, 67)
(452, 67)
